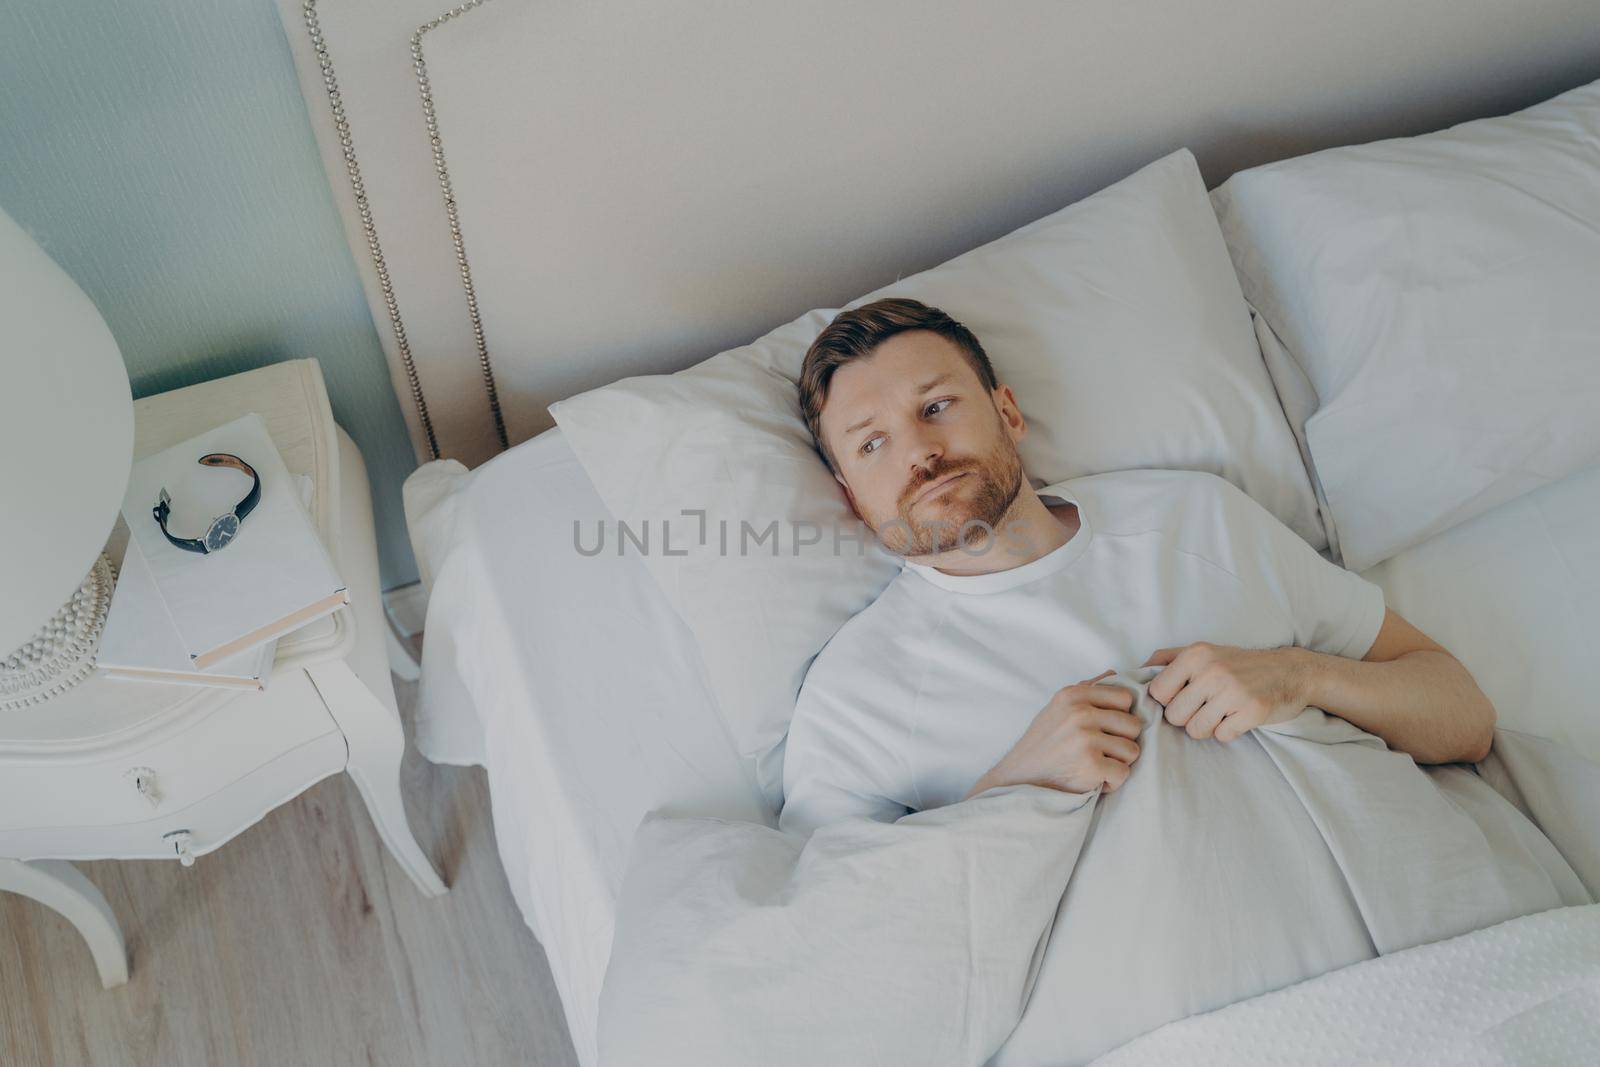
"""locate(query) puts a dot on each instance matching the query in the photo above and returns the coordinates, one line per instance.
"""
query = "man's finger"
(1229, 729)
(1121, 749)
(1203, 723)
(1118, 723)
(1113, 772)
(1171, 679)
(1111, 696)
(1183, 704)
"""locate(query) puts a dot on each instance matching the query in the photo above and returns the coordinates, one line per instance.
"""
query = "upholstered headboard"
(546, 195)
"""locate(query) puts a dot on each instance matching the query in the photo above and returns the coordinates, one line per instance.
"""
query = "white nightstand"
(215, 761)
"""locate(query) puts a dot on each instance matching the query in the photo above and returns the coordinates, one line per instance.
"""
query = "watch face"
(222, 530)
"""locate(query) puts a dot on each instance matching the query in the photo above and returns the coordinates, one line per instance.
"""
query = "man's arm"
(1407, 690)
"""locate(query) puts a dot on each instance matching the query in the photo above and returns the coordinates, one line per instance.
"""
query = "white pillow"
(1441, 296)
(1117, 321)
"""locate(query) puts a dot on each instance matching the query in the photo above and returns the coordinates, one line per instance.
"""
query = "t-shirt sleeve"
(815, 801)
(832, 768)
(1330, 609)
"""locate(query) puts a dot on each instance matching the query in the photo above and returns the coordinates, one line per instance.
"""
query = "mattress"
(572, 680)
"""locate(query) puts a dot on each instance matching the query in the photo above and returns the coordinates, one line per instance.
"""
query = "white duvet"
(1031, 927)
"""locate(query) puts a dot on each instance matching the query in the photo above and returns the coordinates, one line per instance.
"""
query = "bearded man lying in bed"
(1206, 876)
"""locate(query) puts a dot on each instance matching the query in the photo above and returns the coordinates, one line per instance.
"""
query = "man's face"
(908, 416)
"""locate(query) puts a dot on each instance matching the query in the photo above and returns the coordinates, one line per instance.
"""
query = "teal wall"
(160, 151)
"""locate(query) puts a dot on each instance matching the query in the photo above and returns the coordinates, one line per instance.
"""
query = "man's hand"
(1222, 691)
(1084, 737)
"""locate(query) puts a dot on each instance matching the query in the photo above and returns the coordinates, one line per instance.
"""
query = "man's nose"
(926, 452)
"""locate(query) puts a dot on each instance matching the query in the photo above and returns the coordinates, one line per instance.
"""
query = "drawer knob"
(180, 845)
(144, 780)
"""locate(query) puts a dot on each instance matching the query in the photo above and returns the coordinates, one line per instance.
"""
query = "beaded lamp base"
(62, 653)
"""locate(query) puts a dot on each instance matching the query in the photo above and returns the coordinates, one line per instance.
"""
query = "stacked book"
(215, 618)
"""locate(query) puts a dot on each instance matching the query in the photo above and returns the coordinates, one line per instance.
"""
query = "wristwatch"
(224, 527)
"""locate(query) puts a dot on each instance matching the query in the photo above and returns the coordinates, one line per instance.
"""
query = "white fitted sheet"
(579, 688)
(573, 681)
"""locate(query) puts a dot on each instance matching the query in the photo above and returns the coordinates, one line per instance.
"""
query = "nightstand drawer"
(167, 776)
(208, 823)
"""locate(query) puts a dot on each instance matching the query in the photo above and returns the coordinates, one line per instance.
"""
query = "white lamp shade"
(66, 435)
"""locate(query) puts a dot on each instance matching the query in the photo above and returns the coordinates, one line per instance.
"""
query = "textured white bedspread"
(1525, 991)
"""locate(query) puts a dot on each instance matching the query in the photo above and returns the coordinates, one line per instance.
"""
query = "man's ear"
(848, 495)
(1005, 403)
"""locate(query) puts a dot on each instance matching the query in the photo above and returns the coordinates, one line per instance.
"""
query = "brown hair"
(857, 333)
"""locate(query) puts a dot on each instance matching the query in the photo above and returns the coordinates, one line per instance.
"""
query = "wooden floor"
(300, 942)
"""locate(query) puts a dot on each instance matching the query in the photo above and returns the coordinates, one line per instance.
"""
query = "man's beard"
(966, 524)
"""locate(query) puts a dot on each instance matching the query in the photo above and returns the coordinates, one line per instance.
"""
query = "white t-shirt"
(915, 697)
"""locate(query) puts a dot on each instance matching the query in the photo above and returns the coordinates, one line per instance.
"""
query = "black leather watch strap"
(163, 508)
(161, 511)
(228, 459)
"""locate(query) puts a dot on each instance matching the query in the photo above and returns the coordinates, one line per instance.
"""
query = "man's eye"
(936, 403)
(870, 446)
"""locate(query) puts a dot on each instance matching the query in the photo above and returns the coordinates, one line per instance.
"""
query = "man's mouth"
(938, 485)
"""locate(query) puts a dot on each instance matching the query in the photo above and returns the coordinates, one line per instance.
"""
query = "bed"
(569, 790)
(581, 684)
